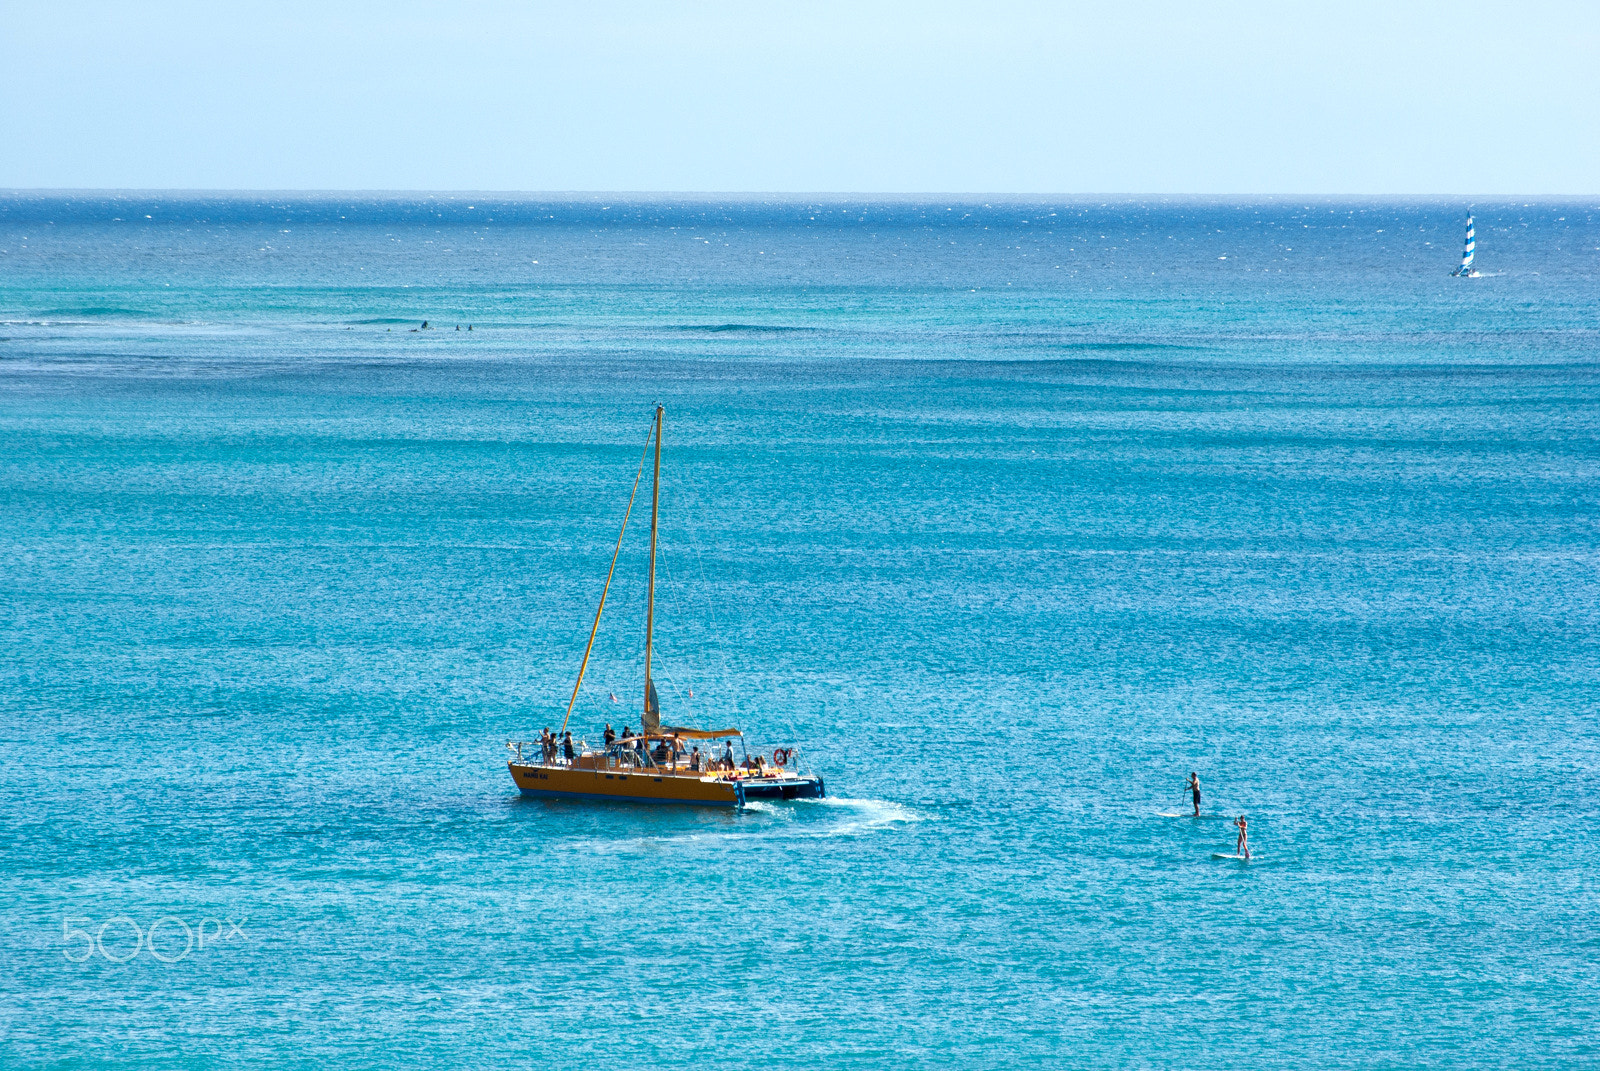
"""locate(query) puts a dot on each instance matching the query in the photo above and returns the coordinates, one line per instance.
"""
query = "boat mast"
(652, 708)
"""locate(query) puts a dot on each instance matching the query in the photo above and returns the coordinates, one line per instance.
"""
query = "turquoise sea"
(1009, 514)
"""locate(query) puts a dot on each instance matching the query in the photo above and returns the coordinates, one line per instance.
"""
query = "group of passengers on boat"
(556, 746)
(630, 750)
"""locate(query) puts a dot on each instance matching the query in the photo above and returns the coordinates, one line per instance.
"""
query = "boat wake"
(855, 816)
(763, 820)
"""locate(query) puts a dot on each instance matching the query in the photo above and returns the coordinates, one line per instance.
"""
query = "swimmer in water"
(1243, 847)
(1194, 790)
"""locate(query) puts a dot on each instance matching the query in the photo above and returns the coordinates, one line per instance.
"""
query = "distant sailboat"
(1466, 270)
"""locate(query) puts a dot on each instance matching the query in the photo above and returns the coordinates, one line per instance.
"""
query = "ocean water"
(1008, 514)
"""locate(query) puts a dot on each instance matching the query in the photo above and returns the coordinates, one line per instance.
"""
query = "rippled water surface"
(1007, 514)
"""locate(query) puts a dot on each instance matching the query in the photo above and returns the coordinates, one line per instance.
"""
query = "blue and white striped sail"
(1466, 254)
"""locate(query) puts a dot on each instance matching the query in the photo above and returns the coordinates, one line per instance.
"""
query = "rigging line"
(609, 574)
(730, 696)
(734, 699)
(718, 627)
(716, 619)
(672, 683)
(689, 705)
(677, 586)
(666, 657)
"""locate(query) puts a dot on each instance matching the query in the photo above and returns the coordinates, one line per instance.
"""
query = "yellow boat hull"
(635, 786)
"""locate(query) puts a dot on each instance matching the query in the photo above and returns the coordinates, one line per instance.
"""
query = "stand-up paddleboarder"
(1243, 847)
(1194, 790)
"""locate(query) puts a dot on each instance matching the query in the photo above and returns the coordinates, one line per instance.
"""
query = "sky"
(1138, 96)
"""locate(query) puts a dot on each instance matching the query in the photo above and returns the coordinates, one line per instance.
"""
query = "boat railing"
(629, 756)
(531, 753)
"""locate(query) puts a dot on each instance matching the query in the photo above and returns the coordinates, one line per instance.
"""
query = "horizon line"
(781, 195)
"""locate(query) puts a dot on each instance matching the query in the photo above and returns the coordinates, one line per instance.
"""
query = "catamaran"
(1466, 271)
(661, 763)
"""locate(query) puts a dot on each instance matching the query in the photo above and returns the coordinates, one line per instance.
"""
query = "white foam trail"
(852, 817)
(869, 815)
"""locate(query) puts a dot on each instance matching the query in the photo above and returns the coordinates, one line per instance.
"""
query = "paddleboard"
(1223, 855)
(1187, 814)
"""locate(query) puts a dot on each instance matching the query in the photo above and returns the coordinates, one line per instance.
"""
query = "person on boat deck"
(1243, 847)
(1194, 789)
(547, 742)
(566, 746)
(694, 759)
(727, 757)
(611, 735)
(660, 752)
